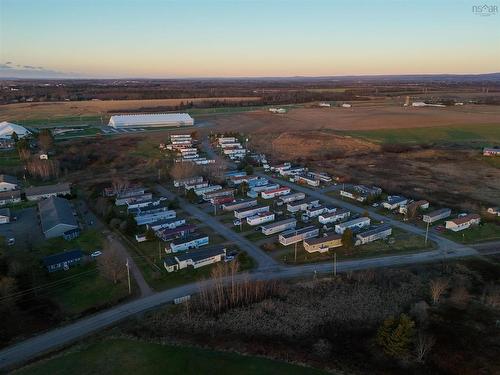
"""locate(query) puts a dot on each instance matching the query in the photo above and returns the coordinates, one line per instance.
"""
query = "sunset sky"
(148, 38)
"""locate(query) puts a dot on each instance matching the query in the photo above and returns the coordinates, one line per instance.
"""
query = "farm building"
(243, 213)
(292, 198)
(269, 194)
(149, 216)
(62, 261)
(382, 231)
(322, 244)
(36, 193)
(360, 193)
(355, 224)
(8, 183)
(414, 206)
(333, 217)
(245, 203)
(7, 197)
(464, 222)
(166, 224)
(433, 216)
(8, 128)
(195, 259)
(4, 215)
(279, 226)
(57, 220)
(394, 201)
(488, 151)
(150, 120)
(296, 235)
(260, 218)
(183, 244)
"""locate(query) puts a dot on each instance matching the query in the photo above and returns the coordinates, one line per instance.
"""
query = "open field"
(362, 116)
(92, 109)
(480, 133)
(118, 356)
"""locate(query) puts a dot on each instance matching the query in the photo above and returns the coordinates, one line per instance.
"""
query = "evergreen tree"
(395, 336)
(348, 239)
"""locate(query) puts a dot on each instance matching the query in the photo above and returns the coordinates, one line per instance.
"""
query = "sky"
(188, 38)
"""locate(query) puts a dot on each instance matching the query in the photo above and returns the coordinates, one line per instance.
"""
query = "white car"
(96, 253)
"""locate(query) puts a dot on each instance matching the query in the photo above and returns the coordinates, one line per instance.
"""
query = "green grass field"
(9, 158)
(487, 134)
(125, 356)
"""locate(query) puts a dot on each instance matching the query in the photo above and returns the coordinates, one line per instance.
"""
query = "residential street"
(263, 260)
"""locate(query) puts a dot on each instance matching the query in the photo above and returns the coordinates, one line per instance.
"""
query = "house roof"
(338, 211)
(8, 179)
(295, 232)
(438, 212)
(371, 232)
(62, 257)
(198, 255)
(7, 128)
(188, 239)
(465, 219)
(5, 212)
(354, 221)
(279, 223)
(55, 211)
(320, 240)
(393, 199)
(48, 189)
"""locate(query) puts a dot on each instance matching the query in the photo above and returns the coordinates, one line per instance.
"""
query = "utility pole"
(159, 251)
(334, 264)
(128, 277)
(427, 233)
(296, 247)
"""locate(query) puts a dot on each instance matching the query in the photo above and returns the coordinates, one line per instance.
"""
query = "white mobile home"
(296, 235)
(245, 203)
(279, 226)
(374, 234)
(195, 259)
(183, 244)
(292, 197)
(335, 216)
(356, 224)
(260, 218)
(464, 222)
(243, 213)
(269, 194)
(434, 216)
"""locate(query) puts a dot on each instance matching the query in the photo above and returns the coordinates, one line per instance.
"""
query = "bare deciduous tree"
(423, 346)
(183, 170)
(119, 184)
(437, 289)
(460, 296)
(111, 264)
(7, 289)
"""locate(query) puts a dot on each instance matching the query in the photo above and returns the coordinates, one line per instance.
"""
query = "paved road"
(263, 260)
(144, 288)
(443, 243)
(57, 338)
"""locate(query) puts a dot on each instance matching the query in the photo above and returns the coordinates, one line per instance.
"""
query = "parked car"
(236, 222)
(11, 241)
(96, 253)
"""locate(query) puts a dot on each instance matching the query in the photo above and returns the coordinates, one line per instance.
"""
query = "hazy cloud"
(11, 70)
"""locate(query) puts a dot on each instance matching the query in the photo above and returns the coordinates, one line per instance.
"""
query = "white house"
(207, 189)
(269, 194)
(260, 218)
(244, 203)
(149, 216)
(166, 224)
(4, 215)
(305, 179)
(243, 213)
(394, 201)
(151, 120)
(297, 206)
(296, 235)
(355, 224)
(433, 216)
(335, 216)
(278, 226)
(292, 197)
(464, 222)
(195, 259)
(183, 244)
(12, 196)
(314, 211)
(382, 231)
(489, 151)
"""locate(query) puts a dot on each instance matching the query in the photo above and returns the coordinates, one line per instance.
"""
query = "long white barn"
(151, 120)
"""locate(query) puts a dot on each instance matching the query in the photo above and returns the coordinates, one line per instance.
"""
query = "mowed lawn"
(489, 134)
(124, 356)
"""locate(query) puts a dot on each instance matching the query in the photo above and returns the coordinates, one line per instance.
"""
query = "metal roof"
(62, 257)
(150, 119)
(47, 189)
(8, 179)
(55, 211)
